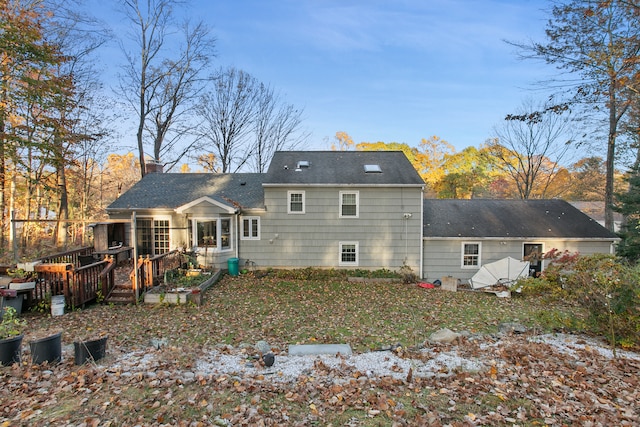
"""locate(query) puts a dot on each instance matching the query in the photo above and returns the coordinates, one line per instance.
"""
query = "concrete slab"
(312, 349)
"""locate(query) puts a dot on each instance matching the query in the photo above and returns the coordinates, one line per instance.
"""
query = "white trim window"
(348, 254)
(153, 235)
(250, 228)
(471, 254)
(295, 202)
(349, 204)
(212, 233)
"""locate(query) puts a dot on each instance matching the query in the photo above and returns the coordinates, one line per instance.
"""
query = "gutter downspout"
(420, 234)
(237, 230)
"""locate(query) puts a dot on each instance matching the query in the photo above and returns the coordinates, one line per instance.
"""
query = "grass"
(366, 315)
(283, 310)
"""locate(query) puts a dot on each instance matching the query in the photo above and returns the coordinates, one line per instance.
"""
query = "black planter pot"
(10, 350)
(47, 349)
(90, 350)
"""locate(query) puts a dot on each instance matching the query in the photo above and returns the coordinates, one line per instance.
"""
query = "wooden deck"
(81, 281)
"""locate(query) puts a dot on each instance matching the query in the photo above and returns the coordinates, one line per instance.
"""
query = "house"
(336, 209)
(596, 211)
(462, 235)
(343, 209)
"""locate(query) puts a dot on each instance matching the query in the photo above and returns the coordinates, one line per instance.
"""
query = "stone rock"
(158, 342)
(263, 347)
(219, 421)
(512, 328)
(444, 336)
(314, 349)
(268, 359)
(188, 377)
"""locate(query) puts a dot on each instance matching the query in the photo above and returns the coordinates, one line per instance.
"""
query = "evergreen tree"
(629, 206)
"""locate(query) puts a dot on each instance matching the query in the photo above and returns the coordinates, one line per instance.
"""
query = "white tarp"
(504, 271)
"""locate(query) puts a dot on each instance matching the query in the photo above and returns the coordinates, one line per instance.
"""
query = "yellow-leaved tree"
(342, 142)
(430, 160)
(121, 172)
(410, 152)
(209, 162)
(467, 174)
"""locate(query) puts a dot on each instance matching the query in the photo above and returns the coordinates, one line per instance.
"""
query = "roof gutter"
(519, 238)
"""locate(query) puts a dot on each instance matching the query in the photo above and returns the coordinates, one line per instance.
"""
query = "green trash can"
(232, 264)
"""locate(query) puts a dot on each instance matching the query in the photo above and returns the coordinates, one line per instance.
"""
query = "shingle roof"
(171, 190)
(595, 210)
(341, 167)
(478, 218)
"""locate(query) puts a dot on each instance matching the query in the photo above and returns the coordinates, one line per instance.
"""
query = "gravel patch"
(569, 344)
(438, 362)
(376, 364)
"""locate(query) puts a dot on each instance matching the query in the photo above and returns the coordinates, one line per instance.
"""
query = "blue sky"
(387, 70)
(392, 71)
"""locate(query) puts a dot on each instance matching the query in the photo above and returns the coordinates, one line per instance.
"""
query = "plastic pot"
(10, 350)
(47, 349)
(91, 350)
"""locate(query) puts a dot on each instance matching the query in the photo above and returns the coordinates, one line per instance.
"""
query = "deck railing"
(68, 257)
(68, 274)
(79, 285)
(150, 270)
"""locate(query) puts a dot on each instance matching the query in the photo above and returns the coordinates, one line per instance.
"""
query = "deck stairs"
(122, 292)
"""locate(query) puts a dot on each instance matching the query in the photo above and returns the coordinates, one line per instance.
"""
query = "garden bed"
(183, 287)
(375, 279)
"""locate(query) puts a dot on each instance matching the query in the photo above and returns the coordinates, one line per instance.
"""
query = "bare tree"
(160, 84)
(244, 122)
(530, 145)
(277, 127)
(228, 112)
(598, 42)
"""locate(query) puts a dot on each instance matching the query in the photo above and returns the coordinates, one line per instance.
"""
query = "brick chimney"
(153, 166)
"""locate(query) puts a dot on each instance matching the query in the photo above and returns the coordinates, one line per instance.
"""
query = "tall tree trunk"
(63, 209)
(139, 136)
(3, 181)
(13, 239)
(610, 161)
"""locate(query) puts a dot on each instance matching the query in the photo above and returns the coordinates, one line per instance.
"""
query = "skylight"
(372, 169)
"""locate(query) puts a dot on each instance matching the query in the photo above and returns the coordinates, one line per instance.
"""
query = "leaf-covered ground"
(522, 382)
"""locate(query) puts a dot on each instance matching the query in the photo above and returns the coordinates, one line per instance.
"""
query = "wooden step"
(121, 300)
(121, 295)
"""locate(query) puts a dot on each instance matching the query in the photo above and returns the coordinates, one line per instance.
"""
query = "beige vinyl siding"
(442, 257)
(312, 239)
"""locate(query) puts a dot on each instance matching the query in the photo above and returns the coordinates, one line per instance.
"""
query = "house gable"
(205, 204)
(172, 191)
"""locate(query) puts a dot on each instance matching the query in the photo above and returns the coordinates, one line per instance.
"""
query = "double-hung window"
(349, 204)
(471, 252)
(250, 228)
(348, 254)
(295, 204)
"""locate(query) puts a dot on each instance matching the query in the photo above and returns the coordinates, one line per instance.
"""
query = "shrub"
(408, 276)
(605, 285)
(311, 273)
(537, 286)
